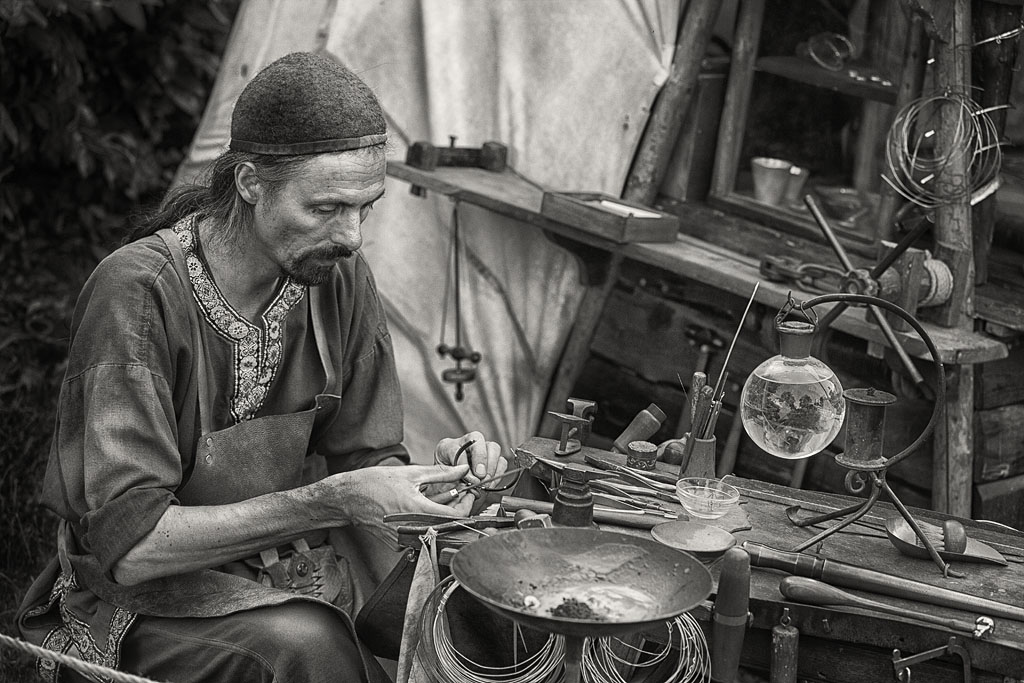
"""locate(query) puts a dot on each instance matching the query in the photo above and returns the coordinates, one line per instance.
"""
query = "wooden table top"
(762, 519)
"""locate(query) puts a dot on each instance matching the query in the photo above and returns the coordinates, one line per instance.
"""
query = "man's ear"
(247, 183)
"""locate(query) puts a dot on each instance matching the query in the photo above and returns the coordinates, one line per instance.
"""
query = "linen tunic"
(128, 422)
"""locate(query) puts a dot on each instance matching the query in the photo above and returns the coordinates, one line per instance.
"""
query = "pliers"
(410, 526)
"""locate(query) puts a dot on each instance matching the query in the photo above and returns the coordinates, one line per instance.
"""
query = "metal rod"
(929, 546)
(883, 324)
(857, 514)
(905, 243)
(826, 229)
(940, 373)
(735, 336)
(876, 272)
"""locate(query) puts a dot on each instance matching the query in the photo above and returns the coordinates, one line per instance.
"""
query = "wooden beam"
(737, 96)
(577, 347)
(666, 120)
(915, 56)
(715, 248)
(953, 447)
(953, 221)
(993, 74)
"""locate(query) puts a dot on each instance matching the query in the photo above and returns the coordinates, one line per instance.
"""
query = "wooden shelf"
(504, 193)
(720, 267)
(805, 71)
(797, 221)
(689, 256)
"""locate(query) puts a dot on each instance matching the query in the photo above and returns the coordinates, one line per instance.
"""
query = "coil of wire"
(683, 658)
(932, 172)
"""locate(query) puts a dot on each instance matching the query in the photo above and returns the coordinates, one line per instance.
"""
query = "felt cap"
(305, 103)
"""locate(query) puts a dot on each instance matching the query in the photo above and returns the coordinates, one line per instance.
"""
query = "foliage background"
(100, 99)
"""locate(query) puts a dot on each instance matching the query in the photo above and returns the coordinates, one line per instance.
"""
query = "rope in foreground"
(75, 663)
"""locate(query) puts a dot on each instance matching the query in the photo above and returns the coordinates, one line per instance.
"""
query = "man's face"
(315, 218)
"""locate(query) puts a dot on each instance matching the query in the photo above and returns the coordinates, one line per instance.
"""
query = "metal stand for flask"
(864, 438)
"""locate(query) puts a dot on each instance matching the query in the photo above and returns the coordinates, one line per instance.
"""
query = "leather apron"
(265, 454)
(262, 455)
(269, 454)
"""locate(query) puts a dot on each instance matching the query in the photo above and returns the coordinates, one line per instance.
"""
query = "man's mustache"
(330, 253)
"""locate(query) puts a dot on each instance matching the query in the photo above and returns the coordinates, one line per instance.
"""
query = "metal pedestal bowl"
(581, 582)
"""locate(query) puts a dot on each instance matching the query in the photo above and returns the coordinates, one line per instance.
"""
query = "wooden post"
(993, 74)
(642, 185)
(887, 34)
(953, 221)
(953, 464)
(577, 346)
(737, 96)
(953, 446)
(911, 77)
(666, 120)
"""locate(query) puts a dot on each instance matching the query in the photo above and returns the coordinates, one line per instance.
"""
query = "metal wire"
(444, 662)
(685, 637)
(920, 165)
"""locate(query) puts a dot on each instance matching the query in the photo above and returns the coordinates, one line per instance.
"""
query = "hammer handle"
(814, 592)
(851, 576)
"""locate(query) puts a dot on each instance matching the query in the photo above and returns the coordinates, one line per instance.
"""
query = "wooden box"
(610, 217)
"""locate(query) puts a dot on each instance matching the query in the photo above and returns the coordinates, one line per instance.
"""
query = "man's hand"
(368, 495)
(483, 456)
(190, 537)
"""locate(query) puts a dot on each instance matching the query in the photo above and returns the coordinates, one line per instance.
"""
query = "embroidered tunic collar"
(257, 349)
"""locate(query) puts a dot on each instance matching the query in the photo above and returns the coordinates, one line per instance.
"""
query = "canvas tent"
(567, 86)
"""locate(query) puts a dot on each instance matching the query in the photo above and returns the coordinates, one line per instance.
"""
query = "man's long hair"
(217, 198)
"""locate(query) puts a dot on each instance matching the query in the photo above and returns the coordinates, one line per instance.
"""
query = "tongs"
(632, 491)
(418, 521)
(411, 526)
(656, 481)
(633, 503)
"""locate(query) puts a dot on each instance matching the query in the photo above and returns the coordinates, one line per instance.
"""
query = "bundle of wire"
(686, 642)
(443, 662)
(926, 170)
(600, 663)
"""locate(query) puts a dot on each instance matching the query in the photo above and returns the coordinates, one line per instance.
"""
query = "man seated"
(230, 423)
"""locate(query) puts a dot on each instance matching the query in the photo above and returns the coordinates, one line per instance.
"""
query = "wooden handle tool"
(859, 578)
(814, 592)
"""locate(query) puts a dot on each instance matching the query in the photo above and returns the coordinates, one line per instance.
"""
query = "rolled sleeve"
(119, 445)
(118, 457)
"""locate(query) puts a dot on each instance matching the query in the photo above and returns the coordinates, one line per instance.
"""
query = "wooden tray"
(610, 217)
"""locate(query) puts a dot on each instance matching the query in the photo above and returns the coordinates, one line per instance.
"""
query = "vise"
(492, 156)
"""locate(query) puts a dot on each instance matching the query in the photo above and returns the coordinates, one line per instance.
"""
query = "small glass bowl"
(706, 498)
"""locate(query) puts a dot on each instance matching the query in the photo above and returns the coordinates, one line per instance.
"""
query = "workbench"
(693, 255)
(853, 644)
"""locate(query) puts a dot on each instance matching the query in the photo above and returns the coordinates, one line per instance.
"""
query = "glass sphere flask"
(792, 404)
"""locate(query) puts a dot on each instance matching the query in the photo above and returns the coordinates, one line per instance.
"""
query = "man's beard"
(309, 270)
